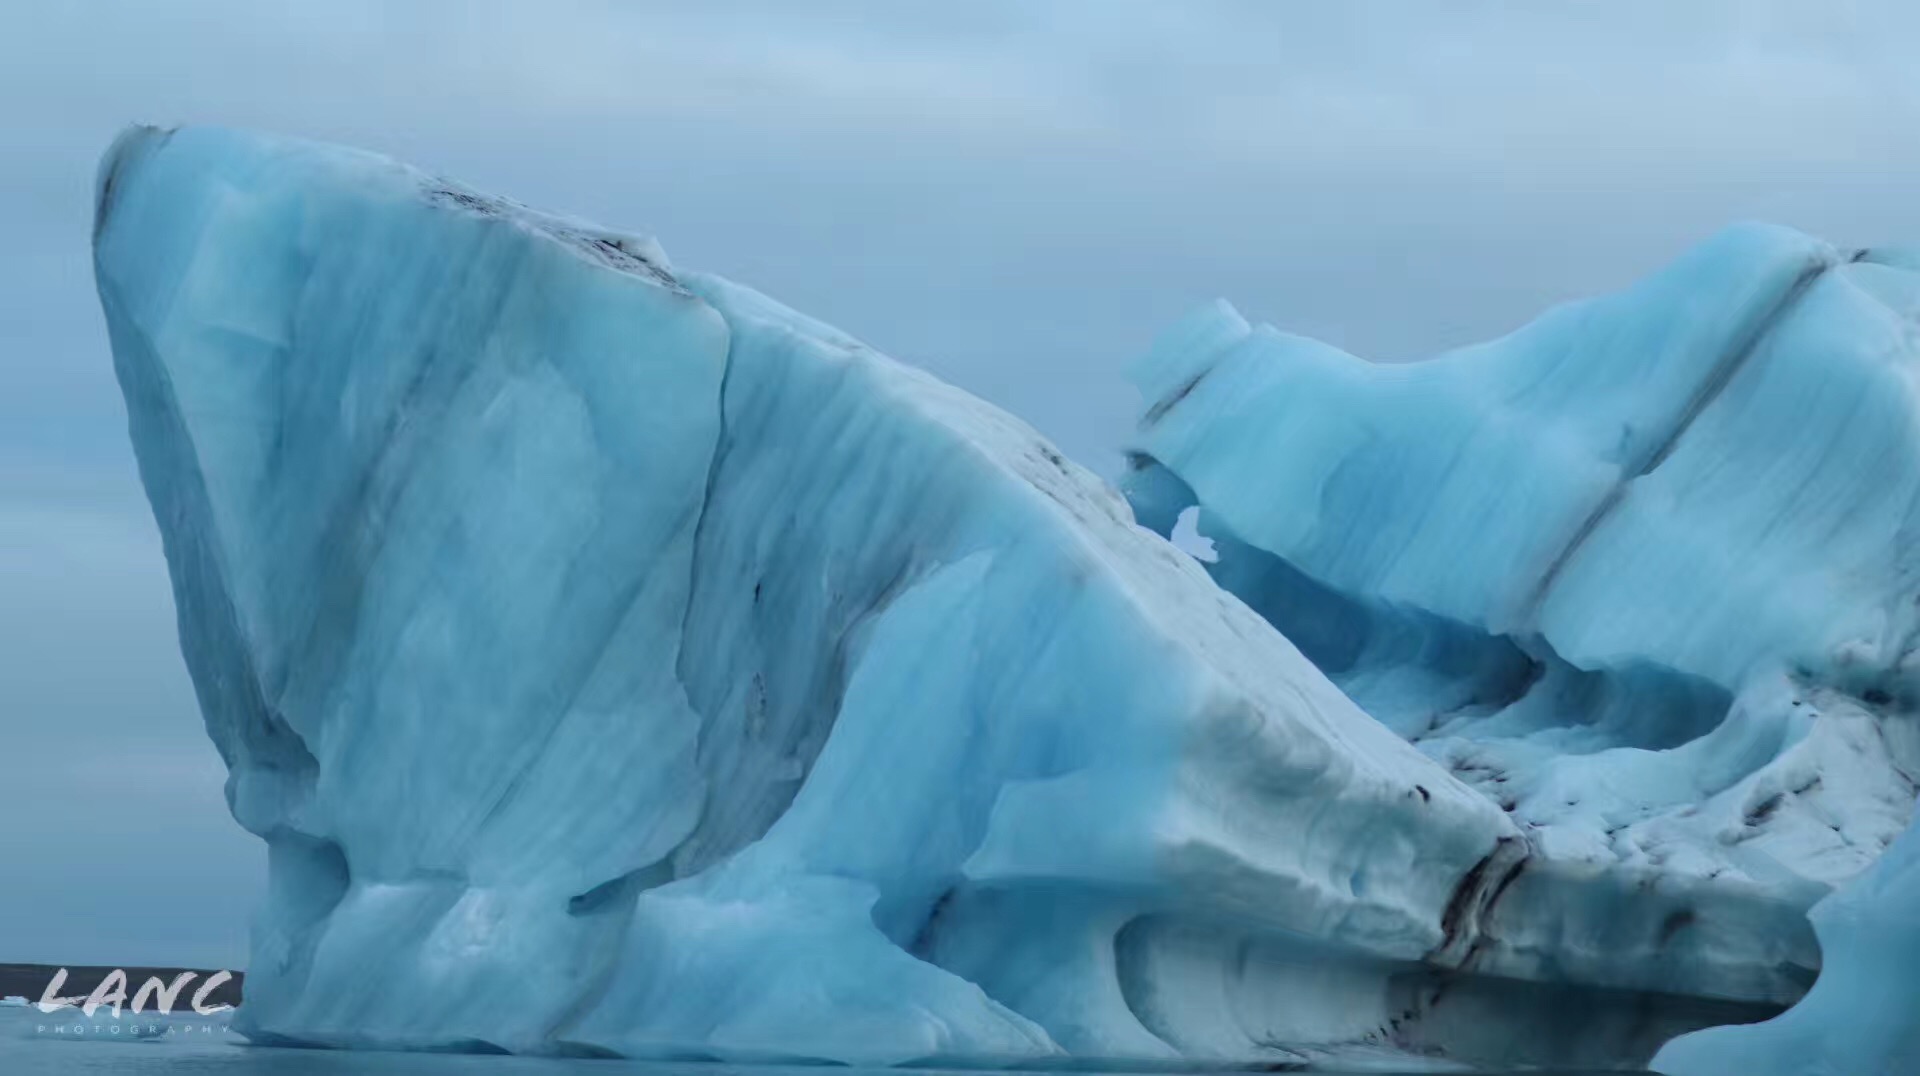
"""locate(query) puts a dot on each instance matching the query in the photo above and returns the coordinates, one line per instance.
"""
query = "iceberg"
(1643, 572)
(616, 662)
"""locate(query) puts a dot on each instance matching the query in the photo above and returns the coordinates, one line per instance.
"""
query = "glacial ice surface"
(1645, 572)
(616, 661)
(1862, 1018)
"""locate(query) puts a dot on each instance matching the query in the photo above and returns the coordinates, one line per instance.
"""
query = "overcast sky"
(1015, 194)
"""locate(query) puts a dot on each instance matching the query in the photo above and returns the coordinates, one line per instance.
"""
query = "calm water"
(30, 1045)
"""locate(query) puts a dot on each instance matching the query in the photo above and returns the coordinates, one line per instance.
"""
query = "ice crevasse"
(615, 661)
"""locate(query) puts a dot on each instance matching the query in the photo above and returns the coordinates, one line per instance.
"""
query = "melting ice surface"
(616, 662)
(1863, 1016)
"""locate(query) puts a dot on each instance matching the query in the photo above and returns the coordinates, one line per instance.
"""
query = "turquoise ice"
(614, 660)
(1646, 573)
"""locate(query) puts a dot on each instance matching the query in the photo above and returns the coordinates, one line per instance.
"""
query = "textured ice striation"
(1645, 573)
(617, 662)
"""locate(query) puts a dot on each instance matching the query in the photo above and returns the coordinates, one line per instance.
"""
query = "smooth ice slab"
(616, 661)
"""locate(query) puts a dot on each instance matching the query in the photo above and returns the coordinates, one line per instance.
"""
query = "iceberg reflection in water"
(30, 1045)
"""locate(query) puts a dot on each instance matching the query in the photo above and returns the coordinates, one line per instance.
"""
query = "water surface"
(46, 1044)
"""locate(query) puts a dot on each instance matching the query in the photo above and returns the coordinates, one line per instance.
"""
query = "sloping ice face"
(617, 662)
(1645, 574)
